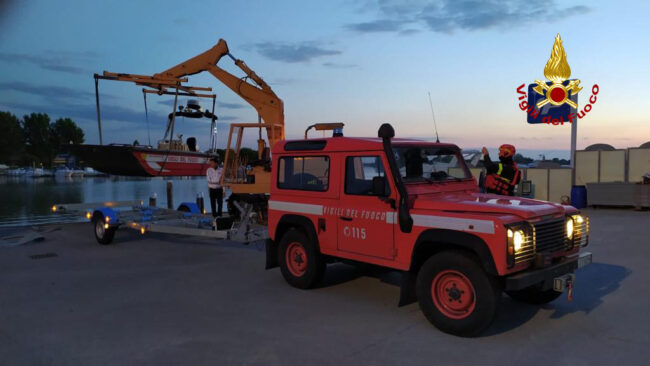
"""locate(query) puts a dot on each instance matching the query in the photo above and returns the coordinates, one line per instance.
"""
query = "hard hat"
(506, 151)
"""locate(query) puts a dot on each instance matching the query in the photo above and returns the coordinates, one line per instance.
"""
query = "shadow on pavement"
(339, 273)
(593, 283)
(511, 315)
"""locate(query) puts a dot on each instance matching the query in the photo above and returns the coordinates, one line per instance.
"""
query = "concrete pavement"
(171, 300)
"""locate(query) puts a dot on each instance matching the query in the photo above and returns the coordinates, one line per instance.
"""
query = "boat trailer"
(188, 220)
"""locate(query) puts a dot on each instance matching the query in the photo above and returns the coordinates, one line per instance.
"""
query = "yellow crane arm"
(260, 96)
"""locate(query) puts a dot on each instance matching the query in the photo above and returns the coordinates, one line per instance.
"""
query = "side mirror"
(379, 186)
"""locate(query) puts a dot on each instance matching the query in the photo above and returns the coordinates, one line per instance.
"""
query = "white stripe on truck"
(453, 223)
(303, 208)
(428, 221)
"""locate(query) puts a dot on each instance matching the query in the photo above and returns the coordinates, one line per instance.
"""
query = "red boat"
(172, 157)
(175, 157)
(142, 161)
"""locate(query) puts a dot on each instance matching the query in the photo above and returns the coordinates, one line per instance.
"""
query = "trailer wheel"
(456, 294)
(104, 236)
(534, 295)
(300, 262)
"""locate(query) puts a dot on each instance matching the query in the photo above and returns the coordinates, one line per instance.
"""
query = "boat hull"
(138, 161)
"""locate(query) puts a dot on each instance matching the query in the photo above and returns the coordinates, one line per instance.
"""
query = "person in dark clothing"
(502, 177)
(413, 163)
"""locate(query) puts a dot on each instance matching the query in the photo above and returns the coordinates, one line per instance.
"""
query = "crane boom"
(251, 88)
(260, 96)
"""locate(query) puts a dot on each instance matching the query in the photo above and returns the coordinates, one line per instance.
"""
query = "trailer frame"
(187, 220)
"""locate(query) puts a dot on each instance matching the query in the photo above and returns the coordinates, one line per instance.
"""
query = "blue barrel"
(579, 196)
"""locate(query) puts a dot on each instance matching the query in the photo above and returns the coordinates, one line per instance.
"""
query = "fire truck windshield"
(430, 163)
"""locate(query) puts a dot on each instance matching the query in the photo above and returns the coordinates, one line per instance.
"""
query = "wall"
(639, 164)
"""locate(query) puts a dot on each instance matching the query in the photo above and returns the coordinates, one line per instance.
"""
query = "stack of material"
(610, 194)
(642, 193)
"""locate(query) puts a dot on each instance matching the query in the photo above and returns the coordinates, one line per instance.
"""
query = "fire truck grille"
(548, 237)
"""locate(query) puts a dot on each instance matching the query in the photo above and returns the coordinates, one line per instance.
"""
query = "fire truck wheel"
(534, 295)
(300, 262)
(456, 295)
(104, 236)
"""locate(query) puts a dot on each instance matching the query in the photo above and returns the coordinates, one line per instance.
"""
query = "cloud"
(170, 102)
(293, 52)
(228, 118)
(447, 16)
(231, 105)
(408, 32)
(284, 81)
(119, 123)
(46, 91)
(379, 25)
(109, 112)
(59, 61)
(53, 92)
(335, 65)
(182, 21)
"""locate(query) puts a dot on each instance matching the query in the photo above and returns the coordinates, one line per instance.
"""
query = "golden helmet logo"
(557, 70)
(555, 101)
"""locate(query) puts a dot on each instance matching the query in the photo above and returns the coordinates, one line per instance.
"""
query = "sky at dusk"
(360, 62)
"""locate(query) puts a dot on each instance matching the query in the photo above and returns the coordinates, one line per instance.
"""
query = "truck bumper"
(547, 275)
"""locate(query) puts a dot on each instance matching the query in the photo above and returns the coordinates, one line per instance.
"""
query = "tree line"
(35, 139)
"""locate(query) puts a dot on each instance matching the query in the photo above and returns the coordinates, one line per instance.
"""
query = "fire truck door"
(365, 218)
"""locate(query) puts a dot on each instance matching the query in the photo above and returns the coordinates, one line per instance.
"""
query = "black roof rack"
(305, 145)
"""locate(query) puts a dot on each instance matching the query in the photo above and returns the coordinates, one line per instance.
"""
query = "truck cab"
(414, 207)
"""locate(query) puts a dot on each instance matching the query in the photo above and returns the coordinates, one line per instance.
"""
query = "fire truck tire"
(534, 295)
(300, 262)
(104, 236)
(456, 294)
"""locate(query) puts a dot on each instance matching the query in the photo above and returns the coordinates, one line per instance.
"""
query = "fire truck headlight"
(580, 230)
(518, 240)
(569, 228)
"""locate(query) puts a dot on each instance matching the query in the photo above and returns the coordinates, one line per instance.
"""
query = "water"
(28, 201)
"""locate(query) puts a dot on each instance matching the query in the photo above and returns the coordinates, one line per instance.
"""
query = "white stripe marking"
(453, 223)
(296, 207)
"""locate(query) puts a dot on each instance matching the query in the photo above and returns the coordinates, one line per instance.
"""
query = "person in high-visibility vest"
(502, 177)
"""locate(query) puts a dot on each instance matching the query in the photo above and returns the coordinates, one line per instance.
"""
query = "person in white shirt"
(213, 175)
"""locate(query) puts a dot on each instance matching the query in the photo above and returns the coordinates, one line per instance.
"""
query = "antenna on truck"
(434, 117)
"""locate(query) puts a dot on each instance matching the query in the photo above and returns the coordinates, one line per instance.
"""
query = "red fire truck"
(396, 204)
(414, 207)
